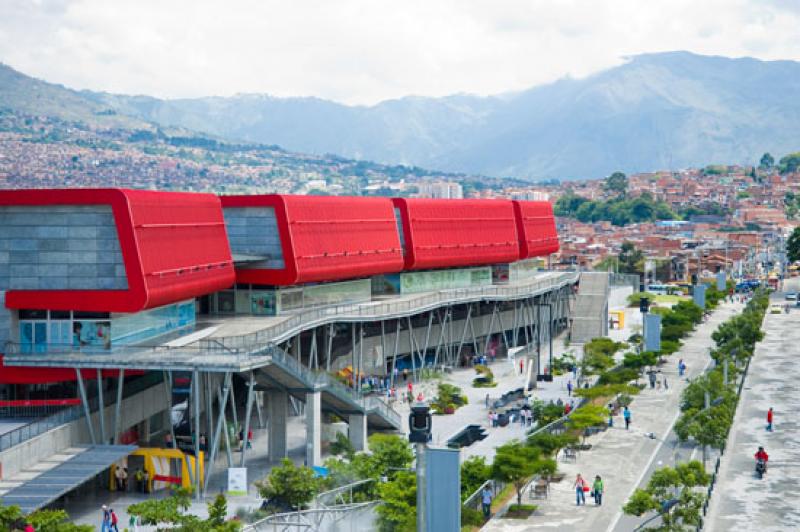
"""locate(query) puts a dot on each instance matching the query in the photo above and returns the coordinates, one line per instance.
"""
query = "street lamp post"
(666, 506)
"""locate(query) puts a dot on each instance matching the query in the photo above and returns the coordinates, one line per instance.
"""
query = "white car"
(791, 296)
(776, 308)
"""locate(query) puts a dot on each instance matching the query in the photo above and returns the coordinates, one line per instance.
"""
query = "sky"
(361, 52)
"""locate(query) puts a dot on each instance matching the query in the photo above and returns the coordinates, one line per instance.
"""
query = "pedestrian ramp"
(50, 479)
(590, 318)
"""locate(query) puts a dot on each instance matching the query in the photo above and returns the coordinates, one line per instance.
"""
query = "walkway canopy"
(40, 491)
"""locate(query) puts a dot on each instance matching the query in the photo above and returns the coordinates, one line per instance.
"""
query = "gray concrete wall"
(60, 247)
(134, 410)
(254, 231)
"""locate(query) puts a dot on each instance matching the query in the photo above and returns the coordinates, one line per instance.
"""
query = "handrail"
(373, 311)
(40, 426)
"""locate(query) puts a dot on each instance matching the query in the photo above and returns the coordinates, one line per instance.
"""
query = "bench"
(569, 454)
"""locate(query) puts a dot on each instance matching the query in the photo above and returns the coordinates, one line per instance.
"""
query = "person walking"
(521, 366)
(119, 474)
(626, 414)
(133, 524)
(487, 400)
(106, 523)
(652, 376)
(486, 502)
(681, 367)
(113, 518)
(597, 490)
(580, 496)
(769, 419)
(569, 388)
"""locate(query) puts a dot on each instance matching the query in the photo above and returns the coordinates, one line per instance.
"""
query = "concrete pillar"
(278, 405)
(357, 428)
(313, 429)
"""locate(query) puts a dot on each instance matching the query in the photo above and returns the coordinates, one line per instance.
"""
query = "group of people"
(110, 520)
(582, 487)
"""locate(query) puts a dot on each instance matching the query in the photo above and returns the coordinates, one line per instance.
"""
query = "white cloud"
(363, 51)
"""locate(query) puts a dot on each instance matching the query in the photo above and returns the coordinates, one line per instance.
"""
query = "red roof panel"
(326, 238)
(174, 247)
(536, 227)
(452, 233)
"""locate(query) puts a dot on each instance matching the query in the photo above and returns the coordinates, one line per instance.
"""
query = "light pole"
(419, 424)
(666, 506)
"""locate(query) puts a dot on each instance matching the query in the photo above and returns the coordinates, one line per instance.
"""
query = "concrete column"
(278, 408)
(313, 429)
(358, 431)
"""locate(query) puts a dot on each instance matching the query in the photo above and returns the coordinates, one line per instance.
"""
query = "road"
(740, 500)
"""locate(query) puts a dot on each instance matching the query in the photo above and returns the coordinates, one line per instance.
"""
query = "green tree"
(631, 259)
(588, 416)
(767, 161)
(616, 183)
(789, 163)
(289, 484)
(683, 479)
(398, 513)
(793, 245)
(516, 463)
(171, 511)
(474, 472)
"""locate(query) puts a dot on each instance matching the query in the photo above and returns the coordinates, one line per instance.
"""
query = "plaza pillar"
(313, 429)
(357, 427)
(278, 412)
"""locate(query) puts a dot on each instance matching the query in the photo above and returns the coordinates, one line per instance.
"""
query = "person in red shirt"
(761, 454)
(769, 419)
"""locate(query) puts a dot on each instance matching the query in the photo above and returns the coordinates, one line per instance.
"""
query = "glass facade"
(42, 331)
(431, 281)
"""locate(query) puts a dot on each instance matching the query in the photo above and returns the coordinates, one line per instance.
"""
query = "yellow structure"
(619, 318)
(157, 464)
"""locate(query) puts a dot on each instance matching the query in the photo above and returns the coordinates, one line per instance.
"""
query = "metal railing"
(374, 311)
(307, 520)
(72, 413)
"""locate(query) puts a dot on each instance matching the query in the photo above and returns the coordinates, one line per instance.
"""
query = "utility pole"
(707, 398)
(421, 510)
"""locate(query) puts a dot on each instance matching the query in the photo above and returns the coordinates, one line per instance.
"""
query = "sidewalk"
(621, 457)
(740, 500)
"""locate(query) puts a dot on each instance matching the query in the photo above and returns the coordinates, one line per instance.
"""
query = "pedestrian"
(569, 388)
(106, 524)
(146, 482)
(168, 443)
(405, 374)
(250, 438)
(610, 414)
(487, 400)
(203, 444)
(410, 388)
(139, 478)
(133, 525)
(666, 385)
(597, 490)
(29, 528)
(627, 415)
(574, 371)
(580, 496)
(114, 521)
(769, 419)
(567, 409)
(420, 397)
(652, 376)
(118, 474)
(521, 366)
(522, 417)
(486, 502)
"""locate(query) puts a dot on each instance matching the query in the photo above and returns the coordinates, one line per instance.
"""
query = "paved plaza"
(740, 500)
(623, 458)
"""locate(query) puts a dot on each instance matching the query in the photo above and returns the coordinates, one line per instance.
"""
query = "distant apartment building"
(441, 190)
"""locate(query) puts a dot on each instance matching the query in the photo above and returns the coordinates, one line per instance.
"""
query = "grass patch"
(505, 495)
(520, 511)
(670, 299)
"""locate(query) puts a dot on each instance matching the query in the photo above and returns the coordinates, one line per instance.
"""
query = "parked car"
(791, 296)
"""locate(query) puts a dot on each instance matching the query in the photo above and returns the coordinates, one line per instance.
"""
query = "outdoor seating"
(540, 489)
(569, 454)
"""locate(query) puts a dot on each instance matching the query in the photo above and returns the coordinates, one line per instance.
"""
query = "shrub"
(471, 517)
(549, 444)
(619, 376)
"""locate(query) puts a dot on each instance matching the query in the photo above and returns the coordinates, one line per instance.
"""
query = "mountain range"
(655, 111)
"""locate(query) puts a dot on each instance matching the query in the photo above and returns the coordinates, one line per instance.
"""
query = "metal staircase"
(590, 319)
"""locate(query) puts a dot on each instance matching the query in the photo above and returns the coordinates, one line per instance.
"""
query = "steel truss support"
(101, 411)
(248, 414)
(168, 380)
(85, 401)
(196, 396)
(218, 429)
(118, 406)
